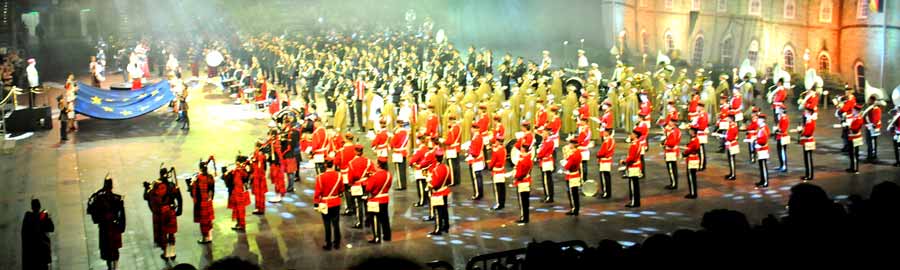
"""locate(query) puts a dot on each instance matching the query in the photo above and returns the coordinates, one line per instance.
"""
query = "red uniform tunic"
(545, 154)
(692, 107)
(431, 126)
(417, 161)
(736, 105)
(484, 127)
(527, 139)
(783, 126)
(848, 106)
(476, 152)
(440, 180)
(732, 135)
(605, 154)
(239, 197)
(762, 140)
(573, 166)
(807, 135)
(701, 124)
(553, 128)
(644, 129)
(342, 161)
(165, 219)
(673, 139)
(693, 152)
(319, 144)
(380, 145)
(328, 189)
(645, 109)
(752, 130)
(671, 115)
(812, 103)
(584, 111)
(400, 141)
(498, 162)
(778, 98)
(606, 121)
(633, 160)
(873, 120)
(451, 140)
(584, 141)
(360, 168)
(378, 186)
(856, 124)
(499, 134)
(523, 170)
(201, 191)
(540, 121)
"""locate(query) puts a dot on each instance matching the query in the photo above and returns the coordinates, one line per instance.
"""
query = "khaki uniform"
(569, 105)
(340, 116)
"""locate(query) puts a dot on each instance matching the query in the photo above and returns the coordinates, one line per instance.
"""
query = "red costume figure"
(855, 136)
(359, 169)
(342, 157)
(202, 191)
(701, 125)
(258, 186)
(808, 141)
(276, 173)
(107, 210)
(164, 199)
(319, 147)
(634, 170)
(238, 197)
(574, 175)
(452, 149)
(670, 150)
(327, 198)
(540, 121)
(671, 115)
(432, 125)
(378, 186)
(692, 154)
(606, 120)
(750, 134)
(499, 130)
(782, 140)
(417, 161)
(762, 150)
(476, 165)
(778, 98)
(399, 145)
(498, 173)
(692, 107)
(380, 144)
(873, 128)
(522, 180)
(605, 160)
(440, 190)
(484, 125)
(545, 157)
(584, 146)
(736, 108)
(554, 125)
(732, 145)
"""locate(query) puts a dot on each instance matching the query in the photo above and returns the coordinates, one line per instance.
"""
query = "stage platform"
(289, 235)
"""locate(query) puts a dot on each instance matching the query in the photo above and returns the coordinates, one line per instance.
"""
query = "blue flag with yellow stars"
(118, 105)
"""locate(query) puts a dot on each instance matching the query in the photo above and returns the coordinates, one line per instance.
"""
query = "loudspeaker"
(27, 120)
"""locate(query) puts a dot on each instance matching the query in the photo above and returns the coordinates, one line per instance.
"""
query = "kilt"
(165, 222)
(110, 242)
(290, 165)
(238, 199)
(204, 213)
(277, 177)
(238, 214)
(259, 186)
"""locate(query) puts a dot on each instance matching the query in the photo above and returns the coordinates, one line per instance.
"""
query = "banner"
(119, 105)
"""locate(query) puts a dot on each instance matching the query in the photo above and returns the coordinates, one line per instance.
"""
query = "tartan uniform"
(258, 186)
(203, 206)
(276, 174)
(239, 198)
(110, 220)
(165, 222)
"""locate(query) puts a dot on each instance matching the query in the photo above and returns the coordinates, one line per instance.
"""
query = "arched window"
(645, 41)
(788, 58)
(697, 57)
(727, 51)
(790, 9)
(860, 75)
(753, 52)
(670, 41)
(862, 9)
(826, 9)
(755, 7)
(824, 62)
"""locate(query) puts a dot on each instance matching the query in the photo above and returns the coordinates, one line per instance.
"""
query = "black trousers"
(751, 152)
(808, 163)
(896, 152)
(381, 223)
(332, 222)
(605, 183)
(845, 132)
(702, 156)
(584, 170)
(692, 182)
(763, 172)
(349, 200)
(401, 174)
(523, 205)
(442, 221)
(782, 155)
(454, 170)
(871, 146)
(360, 205)
(477, 184)
(730, 164)
(63, 130)
(547, 180)
(634, 191)
(420, 191)
(320, 168)
(672, 169)
(854, 158)
(574, 197)
(643, 167)
(356, 114)
(500, 194)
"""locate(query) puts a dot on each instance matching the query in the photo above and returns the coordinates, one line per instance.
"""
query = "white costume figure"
(172, 63)
(582, 60)
(32, 74)
(375, 110)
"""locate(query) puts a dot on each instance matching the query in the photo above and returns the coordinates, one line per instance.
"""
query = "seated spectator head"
(389, 262)
(232, 263)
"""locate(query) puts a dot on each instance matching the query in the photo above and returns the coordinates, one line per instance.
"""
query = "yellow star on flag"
(110, 100)
(107, 109)
(125, 99)
(126, 112)
(158, 98)
(144, 108)
(96, 100)
(142, 96)
(154, 92)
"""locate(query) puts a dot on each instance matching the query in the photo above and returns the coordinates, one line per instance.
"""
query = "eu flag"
(118, 105)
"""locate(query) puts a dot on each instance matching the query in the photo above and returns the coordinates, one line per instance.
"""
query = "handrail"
(508, 255)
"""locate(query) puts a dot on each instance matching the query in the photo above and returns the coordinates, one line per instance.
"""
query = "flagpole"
(884, 44)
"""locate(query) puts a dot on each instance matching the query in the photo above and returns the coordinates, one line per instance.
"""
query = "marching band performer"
(873, 128)
(633, 169)
(732, 146)
(736, 107)
(670, 146)
(418, 163)
(238, 198)
(345, 152)
(276, 173)
(381, 143)
(750, 134)
(202, 191)
(761, 147)
(399, 145)
(584, 145)
(844, 113)
(452, 148)
(440, 186)
(545, 156)
(808, 141)
(258, 179)
(692, 155)
(476, 162)
(327, 198)
(378, 186)
(498, 173)
(722, 122)
(643, 129)
(701, 124)
(604, 160)
(854, 134)
(783, 139)
(522, 181)
(164, 199)
(290, 141)
(779, 96)
(360, 168)
(107, 210)
(573, 166)
(319, 146)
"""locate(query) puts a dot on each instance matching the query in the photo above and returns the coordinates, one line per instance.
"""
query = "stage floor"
(289, 235)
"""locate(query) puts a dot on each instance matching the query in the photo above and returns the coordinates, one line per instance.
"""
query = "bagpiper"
(258, 186)
(107, 210)
(238, 197)
(164, 199)
(203, 191)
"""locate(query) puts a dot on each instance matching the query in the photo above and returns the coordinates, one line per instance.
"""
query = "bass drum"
(590, 188)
